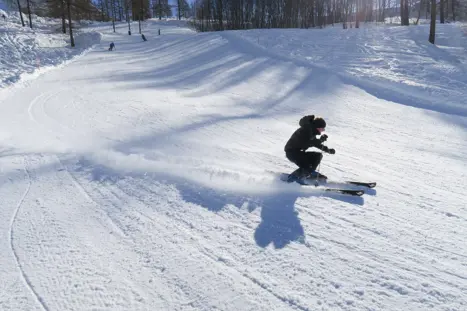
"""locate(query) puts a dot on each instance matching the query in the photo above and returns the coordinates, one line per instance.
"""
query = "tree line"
(214, 15)
(97, 10)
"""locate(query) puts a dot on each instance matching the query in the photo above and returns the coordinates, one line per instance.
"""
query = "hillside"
(146, 178)
(28, 52)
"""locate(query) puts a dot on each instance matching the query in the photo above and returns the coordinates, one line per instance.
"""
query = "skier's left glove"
(323, 138)
(328, 150)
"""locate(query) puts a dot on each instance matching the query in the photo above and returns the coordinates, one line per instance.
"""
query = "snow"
(389, 62)
(146, 178)
(27, 53)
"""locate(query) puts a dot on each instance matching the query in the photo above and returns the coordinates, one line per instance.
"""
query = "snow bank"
(27, 53)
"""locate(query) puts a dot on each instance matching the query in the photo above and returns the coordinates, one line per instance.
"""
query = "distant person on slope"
(302, 139)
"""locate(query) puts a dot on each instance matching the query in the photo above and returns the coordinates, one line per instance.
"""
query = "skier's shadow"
(280, 222)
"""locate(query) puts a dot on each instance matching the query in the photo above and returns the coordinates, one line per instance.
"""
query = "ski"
(283, 176)
(327, 185)
(343, 183)
(346, 191)
(336, 190)
(359, 183)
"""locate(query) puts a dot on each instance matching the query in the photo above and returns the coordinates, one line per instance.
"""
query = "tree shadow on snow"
(155, 141)
(219, 62)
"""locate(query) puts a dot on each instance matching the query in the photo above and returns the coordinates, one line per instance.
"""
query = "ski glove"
(323, 138)
(328, 150)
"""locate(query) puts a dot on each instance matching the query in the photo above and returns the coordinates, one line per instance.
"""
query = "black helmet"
(319, 123)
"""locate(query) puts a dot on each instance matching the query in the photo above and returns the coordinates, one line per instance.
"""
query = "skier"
(302, 139)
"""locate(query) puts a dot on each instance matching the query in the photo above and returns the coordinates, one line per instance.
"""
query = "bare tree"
(62, 12)
(419, 11)
(72, 40)
(20, 14)
(404, 8)
(127, 12)
(216, 15)
(441, 11)
(178, 9)
(112, 4)
(160, 9)
(29, 13)
(141, 15)
(431, 38)
(453, 2)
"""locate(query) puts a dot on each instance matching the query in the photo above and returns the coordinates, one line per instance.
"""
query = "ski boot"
(316, 178)
(296, 175)
(316, 175)
(301, 175)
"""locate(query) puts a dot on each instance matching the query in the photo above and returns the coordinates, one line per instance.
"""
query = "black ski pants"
(305, 160)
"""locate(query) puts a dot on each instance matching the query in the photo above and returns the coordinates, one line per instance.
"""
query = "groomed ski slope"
(144, 178)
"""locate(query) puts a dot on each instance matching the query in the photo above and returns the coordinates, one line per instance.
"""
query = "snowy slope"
(27, 52)
(389, 62)
(143, 178)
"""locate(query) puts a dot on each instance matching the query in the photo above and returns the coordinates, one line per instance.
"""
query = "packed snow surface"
(146, 178)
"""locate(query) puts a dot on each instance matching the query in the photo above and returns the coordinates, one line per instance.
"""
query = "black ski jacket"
(304, 137)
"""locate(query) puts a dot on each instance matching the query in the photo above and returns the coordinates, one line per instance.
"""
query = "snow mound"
(27, 53)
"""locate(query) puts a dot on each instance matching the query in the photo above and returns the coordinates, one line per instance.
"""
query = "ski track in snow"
(25, 277)
(146, 187)
(55, 240)
(117, 196)
(90, 199)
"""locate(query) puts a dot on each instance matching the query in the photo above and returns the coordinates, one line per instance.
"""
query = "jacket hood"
(306, 121)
